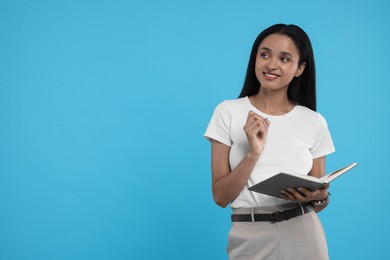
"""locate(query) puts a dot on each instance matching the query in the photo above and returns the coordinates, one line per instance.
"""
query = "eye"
(264, 55)
(285, 59)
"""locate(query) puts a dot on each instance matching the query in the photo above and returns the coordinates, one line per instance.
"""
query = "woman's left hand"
(304, 195)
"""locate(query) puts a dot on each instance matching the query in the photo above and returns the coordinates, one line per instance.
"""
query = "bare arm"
(304, 195)
(227, 184)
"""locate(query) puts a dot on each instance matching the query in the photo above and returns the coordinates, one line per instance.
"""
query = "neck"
(272, 102)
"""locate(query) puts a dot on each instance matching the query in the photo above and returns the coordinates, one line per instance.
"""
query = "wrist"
(253, 156)
(320, 202)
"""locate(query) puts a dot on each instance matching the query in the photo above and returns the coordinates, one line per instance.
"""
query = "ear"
(300, 69)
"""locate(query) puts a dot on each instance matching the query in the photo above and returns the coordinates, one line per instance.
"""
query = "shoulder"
(309, 114)
(309, 117)
(233, 104)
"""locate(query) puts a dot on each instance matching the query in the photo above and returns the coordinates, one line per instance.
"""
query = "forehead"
(279, 43)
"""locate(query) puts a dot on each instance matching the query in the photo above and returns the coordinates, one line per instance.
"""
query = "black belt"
(274, 217)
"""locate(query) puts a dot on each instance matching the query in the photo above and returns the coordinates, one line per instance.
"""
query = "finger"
(256, 122)
(258, 130)
(255, 126)
(314, 195)
(253, 115)
(287, 195)
(259, 118)
(255, 134)
(251, 121)
(283, 197)
(320, 194)
(300, 196)
(304, 192)
(261, 122)
(268, 123)
(252, 129)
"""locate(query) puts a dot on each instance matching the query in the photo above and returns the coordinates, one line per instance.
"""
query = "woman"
(272, 127)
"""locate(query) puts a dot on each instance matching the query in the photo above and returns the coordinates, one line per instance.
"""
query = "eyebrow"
(283, 52)
(265, 48)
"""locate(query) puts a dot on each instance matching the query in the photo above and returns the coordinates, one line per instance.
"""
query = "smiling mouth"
(270, 75)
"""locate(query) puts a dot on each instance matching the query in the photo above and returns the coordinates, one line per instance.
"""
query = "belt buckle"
(279, 216)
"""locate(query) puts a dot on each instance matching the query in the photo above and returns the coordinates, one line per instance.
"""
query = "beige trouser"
(298, 238)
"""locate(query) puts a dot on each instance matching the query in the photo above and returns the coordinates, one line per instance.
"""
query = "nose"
(271, 64)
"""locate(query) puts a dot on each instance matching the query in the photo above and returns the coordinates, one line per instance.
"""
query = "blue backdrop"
(103, 105)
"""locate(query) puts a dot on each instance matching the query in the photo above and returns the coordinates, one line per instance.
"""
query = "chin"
(272, 88)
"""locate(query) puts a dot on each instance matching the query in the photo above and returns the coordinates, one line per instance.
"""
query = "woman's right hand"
(227, 184)
(256, 130)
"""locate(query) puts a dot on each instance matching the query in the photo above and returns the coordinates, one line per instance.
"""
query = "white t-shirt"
(293, 141)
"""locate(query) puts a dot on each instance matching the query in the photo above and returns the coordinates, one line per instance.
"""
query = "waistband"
(252, 215)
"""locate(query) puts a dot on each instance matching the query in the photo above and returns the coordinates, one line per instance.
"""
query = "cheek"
(290, 71)
(258, 72)
(288, 78)
(259, 68)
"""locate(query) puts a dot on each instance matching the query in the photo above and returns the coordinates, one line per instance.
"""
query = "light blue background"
(103, 105)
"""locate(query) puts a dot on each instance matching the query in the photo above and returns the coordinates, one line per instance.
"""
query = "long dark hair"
(302, 89)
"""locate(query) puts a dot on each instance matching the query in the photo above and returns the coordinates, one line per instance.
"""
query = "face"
(277, 62)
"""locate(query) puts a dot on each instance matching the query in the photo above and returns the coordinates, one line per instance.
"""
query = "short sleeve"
(322, 143)
(219, 125)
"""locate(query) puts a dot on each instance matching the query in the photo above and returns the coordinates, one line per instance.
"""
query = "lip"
(270, 76)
